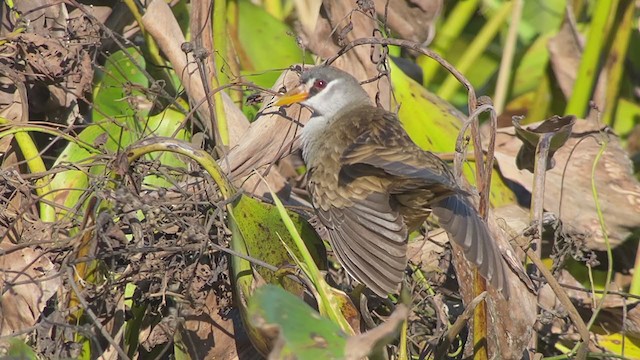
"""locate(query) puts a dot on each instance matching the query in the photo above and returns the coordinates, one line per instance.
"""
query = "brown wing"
(386, 150)
(465, 227)
(368, 238)
(420, 180)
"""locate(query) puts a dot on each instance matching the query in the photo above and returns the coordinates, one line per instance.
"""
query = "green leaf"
(421, 110)
(119, 87)
(480, 74)
(627, 117)
(135, 322)
(617, 343)
(120, 117)
(302, 332)
(532, 67)
(264, 44)
(18, 349)
(262, 229)
(538, 17)
(257, 230)
(69, 186)
(541, 17)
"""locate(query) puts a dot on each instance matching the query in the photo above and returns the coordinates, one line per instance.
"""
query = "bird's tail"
(463, 223)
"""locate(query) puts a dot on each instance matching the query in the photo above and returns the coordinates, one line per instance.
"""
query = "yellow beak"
(293, 96)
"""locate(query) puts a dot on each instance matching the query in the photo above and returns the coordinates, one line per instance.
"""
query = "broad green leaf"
(164, 124)
(433, 124)
(328, 304)
(613, 342)
(119, 88)
(634, 56)
(480, 74)
(538, 17)
(180, 351)
(120, 117)
(264, 44)
(420, 110)
(581, 273)
(303, 332)
(135, 321)
(262, 229)
(258, 231)
(298, 331)
(244, 282)
(532, 67)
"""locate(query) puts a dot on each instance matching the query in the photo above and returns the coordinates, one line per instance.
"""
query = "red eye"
(320, 84)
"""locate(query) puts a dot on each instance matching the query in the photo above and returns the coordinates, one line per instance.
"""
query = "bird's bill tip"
(297, 95)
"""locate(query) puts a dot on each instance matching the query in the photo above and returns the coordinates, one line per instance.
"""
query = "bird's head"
(328, 91)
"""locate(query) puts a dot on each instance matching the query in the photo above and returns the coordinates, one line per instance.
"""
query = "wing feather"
(458, 217)
(369, 239)
(375, 153)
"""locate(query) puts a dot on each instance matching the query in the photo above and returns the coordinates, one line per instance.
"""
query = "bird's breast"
(312, 138)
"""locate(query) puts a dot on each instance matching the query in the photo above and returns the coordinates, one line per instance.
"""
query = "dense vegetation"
(153, 200)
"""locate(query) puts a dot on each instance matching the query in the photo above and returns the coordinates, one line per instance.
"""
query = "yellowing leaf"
(433, 124)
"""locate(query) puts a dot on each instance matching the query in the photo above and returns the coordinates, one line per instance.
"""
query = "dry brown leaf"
(617, 314)
(564, 54)
(28, 281)
(13, 189)
(510, 321)
(210, 335)
(308, 13)
(269, 137)
(411, 19)
(359, 346)
(429, 255)
(162, 25)
(568, 191)
(58, 48)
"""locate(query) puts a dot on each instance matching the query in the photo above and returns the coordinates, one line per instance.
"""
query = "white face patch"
(329, 101)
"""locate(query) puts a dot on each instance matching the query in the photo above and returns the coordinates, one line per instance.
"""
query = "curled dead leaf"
(27, 284)
(568, 188)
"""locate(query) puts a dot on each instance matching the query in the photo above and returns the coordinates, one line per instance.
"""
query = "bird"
(371, 186)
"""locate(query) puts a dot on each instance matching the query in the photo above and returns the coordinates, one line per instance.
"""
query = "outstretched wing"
(368, 238)
(419, 179)
(460, 219)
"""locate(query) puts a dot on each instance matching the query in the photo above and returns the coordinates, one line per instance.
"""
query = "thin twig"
(564, 300)
(460, 153)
